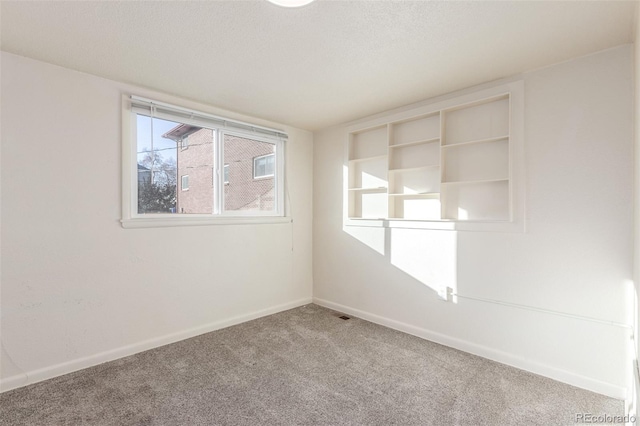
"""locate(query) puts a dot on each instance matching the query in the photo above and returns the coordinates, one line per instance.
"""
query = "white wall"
(77, 288)
(636, 257)
(574, 258)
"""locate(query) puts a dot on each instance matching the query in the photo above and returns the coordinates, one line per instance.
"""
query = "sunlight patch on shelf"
(370, 180)
(416, 208)
(462, 214)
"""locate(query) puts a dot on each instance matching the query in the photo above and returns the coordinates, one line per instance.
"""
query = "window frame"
(221, 126)
(225, 174)
(182, 180)
(254, 167)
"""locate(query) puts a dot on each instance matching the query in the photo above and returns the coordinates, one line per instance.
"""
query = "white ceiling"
(323, 64)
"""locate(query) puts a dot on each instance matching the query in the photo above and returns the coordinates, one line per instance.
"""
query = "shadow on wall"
(429, 256)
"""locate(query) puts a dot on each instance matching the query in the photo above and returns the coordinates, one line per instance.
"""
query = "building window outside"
(226, 170)
(263, 166)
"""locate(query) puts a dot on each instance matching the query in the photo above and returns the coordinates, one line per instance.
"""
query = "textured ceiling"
(326, 63)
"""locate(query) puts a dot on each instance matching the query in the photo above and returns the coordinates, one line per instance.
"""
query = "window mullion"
(218, 158)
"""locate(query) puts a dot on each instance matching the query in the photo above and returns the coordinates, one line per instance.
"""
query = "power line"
(173, 148)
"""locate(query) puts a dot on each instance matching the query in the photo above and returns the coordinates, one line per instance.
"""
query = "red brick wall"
(243, 192)
(197, 162)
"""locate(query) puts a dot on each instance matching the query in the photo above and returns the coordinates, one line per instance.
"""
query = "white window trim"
(254, 167)
(130, 217)
(182, 178)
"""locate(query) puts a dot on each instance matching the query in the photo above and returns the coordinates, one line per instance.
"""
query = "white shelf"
(368, 143)
(477, 121)
(415, 129)
(418, 195)
(360, 160)
(420, 142)
(447, 165)
(486, 160)
(414, 169)
(477, 201)
(379, 188)
(474, 142)
(419, 180)
(368, 204)
(369, 173)
(473, 182)
(415, 206)
(412, 155)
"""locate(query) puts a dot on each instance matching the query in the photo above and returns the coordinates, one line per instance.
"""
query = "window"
(263, 166)
(230, 169)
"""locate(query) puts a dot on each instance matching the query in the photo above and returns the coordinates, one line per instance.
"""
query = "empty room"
(319, 212)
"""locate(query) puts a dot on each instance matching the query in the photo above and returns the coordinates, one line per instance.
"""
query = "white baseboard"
(584, 382)
(50, 372)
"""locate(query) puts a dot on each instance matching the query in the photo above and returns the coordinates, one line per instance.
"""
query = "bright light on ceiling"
(291, 3)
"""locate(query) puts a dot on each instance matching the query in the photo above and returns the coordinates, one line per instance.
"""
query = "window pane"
(157, 169)
(244, 192)
(196, 164)
(270, 162)
(263, 166)
(258, 167)
(161, 160)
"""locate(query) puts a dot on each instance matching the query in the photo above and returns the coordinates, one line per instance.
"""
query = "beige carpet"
(305, 366)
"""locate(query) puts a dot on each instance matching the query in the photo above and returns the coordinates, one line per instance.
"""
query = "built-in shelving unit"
(452, 164)
(368, 168)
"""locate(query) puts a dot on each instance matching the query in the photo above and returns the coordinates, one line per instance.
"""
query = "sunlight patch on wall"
(429, 256)
(373, 237)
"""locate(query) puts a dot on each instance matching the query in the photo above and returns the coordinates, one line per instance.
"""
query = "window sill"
(162, 222)
(443, 225)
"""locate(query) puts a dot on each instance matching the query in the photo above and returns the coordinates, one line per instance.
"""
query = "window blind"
(159, 109)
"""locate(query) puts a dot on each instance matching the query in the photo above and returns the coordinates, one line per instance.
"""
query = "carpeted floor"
(305, 366)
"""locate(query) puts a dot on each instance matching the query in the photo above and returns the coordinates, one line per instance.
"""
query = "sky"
(165, 147)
